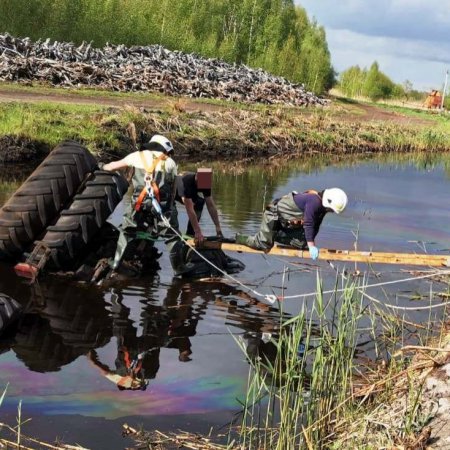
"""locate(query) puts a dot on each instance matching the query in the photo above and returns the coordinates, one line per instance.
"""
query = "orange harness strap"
(128, 363)
(149, 172)
(140, 199)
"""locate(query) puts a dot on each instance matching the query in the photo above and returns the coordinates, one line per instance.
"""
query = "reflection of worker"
(137, 359)
(188, 187)
(129, 374)
(153, 179)
(183, 319)
(295, 219)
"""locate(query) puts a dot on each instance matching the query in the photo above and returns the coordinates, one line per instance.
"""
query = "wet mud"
(19, 156)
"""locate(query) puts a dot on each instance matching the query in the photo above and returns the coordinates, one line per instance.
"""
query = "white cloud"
(409, 38)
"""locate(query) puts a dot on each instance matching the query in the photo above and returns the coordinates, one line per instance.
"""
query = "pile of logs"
(143, 68)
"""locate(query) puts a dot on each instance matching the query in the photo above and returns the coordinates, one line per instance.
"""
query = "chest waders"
(144, 212)
(282, 221)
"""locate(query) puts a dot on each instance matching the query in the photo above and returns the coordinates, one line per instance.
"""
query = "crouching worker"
(295, 219)
(193, 190)
(152, 201)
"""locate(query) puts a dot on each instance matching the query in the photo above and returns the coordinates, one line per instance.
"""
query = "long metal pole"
(340, 255)
(445, 89)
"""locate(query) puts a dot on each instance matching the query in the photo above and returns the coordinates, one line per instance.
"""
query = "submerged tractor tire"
(42, 196)
(69, 237)
(9, 311)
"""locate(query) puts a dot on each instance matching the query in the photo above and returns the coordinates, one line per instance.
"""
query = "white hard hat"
(163, 141)
(335, 198)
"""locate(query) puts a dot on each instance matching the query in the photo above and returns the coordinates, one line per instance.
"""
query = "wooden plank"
(368, 257)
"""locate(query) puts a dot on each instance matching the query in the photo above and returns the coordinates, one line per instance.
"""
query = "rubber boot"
(241, 239)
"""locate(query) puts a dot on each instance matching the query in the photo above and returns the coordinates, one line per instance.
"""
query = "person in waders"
(129, 377)
(152, 200)
(295, 219)
(193, 190)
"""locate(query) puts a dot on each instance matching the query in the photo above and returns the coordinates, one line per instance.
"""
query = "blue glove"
(314, 252)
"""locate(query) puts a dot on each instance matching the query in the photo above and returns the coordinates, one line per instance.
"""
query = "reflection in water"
(62, 321)
(260, 183)
(174, 336)
(58, 324)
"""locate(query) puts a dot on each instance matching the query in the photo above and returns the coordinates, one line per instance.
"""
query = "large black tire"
(9, 311)
(69, 237)
(42, 196)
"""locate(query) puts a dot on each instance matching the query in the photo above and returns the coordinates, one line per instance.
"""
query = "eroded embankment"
(232, 134)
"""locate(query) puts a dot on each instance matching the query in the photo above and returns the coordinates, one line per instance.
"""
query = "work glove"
(314, 252)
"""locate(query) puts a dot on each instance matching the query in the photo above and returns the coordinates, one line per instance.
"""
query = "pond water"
(60, 359)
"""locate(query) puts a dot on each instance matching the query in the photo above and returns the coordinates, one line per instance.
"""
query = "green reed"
(293, 400)
(306, 399)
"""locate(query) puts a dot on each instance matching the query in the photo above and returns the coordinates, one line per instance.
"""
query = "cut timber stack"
(368, 257)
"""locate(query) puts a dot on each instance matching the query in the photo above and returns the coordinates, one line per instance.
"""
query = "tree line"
(275, 35)
(374, 84)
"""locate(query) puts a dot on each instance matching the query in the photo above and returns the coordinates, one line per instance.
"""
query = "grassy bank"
(216, 130)
(317, 389)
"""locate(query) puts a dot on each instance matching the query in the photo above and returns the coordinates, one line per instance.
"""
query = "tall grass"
(317, 391)
(293, 400)
(241, 130)
(52, 123)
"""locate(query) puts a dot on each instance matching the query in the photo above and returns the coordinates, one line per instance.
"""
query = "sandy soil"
(356, 112)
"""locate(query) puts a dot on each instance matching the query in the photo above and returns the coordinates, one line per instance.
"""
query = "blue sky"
(410, 39)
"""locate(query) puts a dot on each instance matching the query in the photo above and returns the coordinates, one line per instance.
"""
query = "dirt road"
(109, 99)
(356, 111)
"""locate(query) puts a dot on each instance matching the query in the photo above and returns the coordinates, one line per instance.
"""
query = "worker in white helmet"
(153, 195)
(295, 219)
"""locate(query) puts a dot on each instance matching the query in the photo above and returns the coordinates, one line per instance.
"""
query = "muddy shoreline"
(207, 132)
(18, 154)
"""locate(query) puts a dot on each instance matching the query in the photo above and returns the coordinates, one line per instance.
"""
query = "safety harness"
(150, 189)
(133, 366)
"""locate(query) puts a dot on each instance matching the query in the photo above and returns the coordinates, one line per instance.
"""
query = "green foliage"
(50, 124)
(275, 35)
(351, 81)
(376, 84)
(372, 83)
(447, 103)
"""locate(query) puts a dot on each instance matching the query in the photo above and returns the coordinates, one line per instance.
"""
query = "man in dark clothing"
(295, 219)
(193, 193)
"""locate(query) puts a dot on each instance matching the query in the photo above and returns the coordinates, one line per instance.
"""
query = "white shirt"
(166, 167)
(134, 160)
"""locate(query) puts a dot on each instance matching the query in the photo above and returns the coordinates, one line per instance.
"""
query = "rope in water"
(271, 298)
